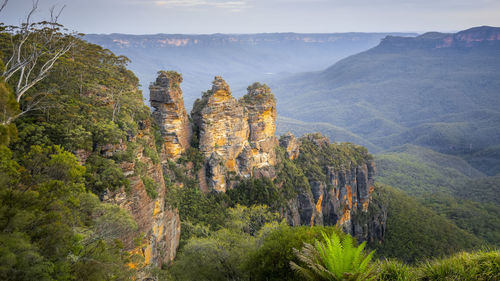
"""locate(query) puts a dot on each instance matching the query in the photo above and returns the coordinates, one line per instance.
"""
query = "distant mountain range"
(437, 90)
(240, 59)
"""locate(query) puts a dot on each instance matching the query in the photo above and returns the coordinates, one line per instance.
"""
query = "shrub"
(479, 266)
(394, 270)
(140, 168)
(152, 154)
(103, 174)
(256, 191)
(271, 260)
(151, 186)
(194, 156)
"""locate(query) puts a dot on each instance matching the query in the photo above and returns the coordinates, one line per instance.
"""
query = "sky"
(257, 16)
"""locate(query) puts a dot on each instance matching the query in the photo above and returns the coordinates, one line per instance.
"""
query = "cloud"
(234, 6)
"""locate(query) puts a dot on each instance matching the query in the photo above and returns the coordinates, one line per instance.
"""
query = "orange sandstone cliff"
(236, 137)
(170, 114)
(159, 226)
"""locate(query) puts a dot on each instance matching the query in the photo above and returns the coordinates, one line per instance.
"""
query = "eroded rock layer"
(342, 197)
(237, 140)
(170, 113)
(291, 146)
(236, 137)
(159, 225)
(259, 157)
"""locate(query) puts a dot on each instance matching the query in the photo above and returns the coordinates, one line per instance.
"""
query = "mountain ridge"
(465, 38)
(241, 59)
(440, 98)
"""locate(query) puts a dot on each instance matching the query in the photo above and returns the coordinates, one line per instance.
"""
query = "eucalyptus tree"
(32, 50)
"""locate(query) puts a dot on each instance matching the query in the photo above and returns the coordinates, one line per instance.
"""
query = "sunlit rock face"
(222, 131)
(291, 146)
(259, 157)
(170, 113)
(236, 137)
(237, 140)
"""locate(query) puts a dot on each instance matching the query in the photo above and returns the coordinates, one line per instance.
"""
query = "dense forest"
(73, 122)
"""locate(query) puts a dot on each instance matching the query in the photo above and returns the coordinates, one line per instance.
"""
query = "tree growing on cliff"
(33, 50)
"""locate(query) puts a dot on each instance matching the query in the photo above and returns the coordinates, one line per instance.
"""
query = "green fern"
(334, 259)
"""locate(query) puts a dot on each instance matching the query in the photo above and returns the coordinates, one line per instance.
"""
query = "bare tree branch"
(18, 62)
(36, 48)
(3, 5)
(33, 10)
(55, 17)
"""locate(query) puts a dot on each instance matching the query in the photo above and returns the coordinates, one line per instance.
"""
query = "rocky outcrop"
(236, 137)
(237, 140)
(259, 157)
(341, 198)
(170, 113)
(222, 131)
(159, 225)
(291, 146)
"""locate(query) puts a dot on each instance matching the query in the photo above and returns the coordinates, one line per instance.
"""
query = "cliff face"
(259, 157)
(341, 197)
(159, 225)
(170, 113)
(236, 137)
(291, 146)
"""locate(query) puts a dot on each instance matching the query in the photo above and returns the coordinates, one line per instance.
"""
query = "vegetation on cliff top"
(317, 152)
(52, 223)
(53, 226)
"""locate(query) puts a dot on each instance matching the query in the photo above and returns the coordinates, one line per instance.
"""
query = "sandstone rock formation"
(170, 113)
(222, 130)
(343, 198)
(259, 157)
(236, 137)
(159, 225)
(291, 145)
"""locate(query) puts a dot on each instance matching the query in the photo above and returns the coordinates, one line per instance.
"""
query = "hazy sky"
(252, 16)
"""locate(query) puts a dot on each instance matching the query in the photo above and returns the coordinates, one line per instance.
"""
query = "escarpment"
(326, 183)
(158, 225)
(341, 181)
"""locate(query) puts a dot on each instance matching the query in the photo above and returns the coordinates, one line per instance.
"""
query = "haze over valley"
(240, 58)
(211, 140)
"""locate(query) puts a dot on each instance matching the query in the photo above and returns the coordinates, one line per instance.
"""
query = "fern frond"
(358, 255)
(334, 259)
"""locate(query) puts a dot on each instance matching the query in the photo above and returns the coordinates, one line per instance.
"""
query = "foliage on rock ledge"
(317, 152)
